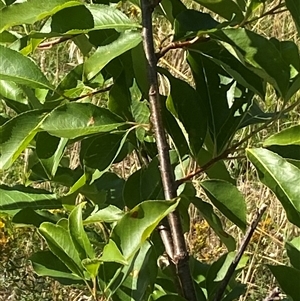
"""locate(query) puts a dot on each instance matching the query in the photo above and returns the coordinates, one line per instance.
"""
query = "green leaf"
(217, 170)
(190, 23)
(228, 199)
(99, 151)
(35, 10)
(78, 235)
(221, 56)
(137, 225)
(13, 199)
(120, 98)
(259, 54)
(82, 19)
(142, 276)
(50, 150)
(108, 214)
(214, 221)
(104, 54)
(92, 266)
(224, 99)
(61, 245)
(11, 90)
(46, 264)
(293, 252)
(183, 102)
(227, 9)
(144, 184)
(80, 119)
(20, 69)
(111, 253)
(281, 177)
(29, 216)
(288, 279)
(16, 134)
(294, 7)
(288, 136)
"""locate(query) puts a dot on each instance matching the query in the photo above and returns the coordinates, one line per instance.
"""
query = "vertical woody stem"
(180, 255)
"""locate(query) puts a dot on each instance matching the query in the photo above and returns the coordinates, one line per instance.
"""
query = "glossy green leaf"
(217, 170)
(190, 23)
(221, 56)
(259, 54)
(281, 177)
(294, 7)
(20, 69)
(78, 234)
(35, 10)
(46, 264)
(82, 19)
(143, 274)
(111, 253)
(224, 99)
(61, 245)
(92, 266)
(108, 214)
(80, 119)
(120, 98)
(174, 130)
(293, 252)
(11, 90)
(170, 297)
(13, 199)
(144, 184)
(228, 199)
(50, 150)
(214, 221)
(288, 136)
(137, 225)
(184, 103)
(104, 54)
(100, 151)
(139, 64)
(16, 134)
(288, 279)
(227, 9)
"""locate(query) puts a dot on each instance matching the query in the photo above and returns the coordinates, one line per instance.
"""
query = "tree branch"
(180, 44)
(180, 255)
(240, 252)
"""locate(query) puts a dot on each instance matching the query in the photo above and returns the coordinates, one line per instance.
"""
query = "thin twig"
(50, 44)
(180, 255)
(105, 89)
(180, 44)
(240, 252)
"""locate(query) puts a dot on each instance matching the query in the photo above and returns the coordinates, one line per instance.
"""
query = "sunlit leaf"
(281, 177)
(228, 199)
(137, 225)
(15, 198)
(78, 234)
(288, 136)
(20, 69)
(35, 10)
(79, 119)
(61, 245)
(104, 54)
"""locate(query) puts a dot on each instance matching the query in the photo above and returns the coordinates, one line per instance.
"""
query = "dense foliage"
(100, 226)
